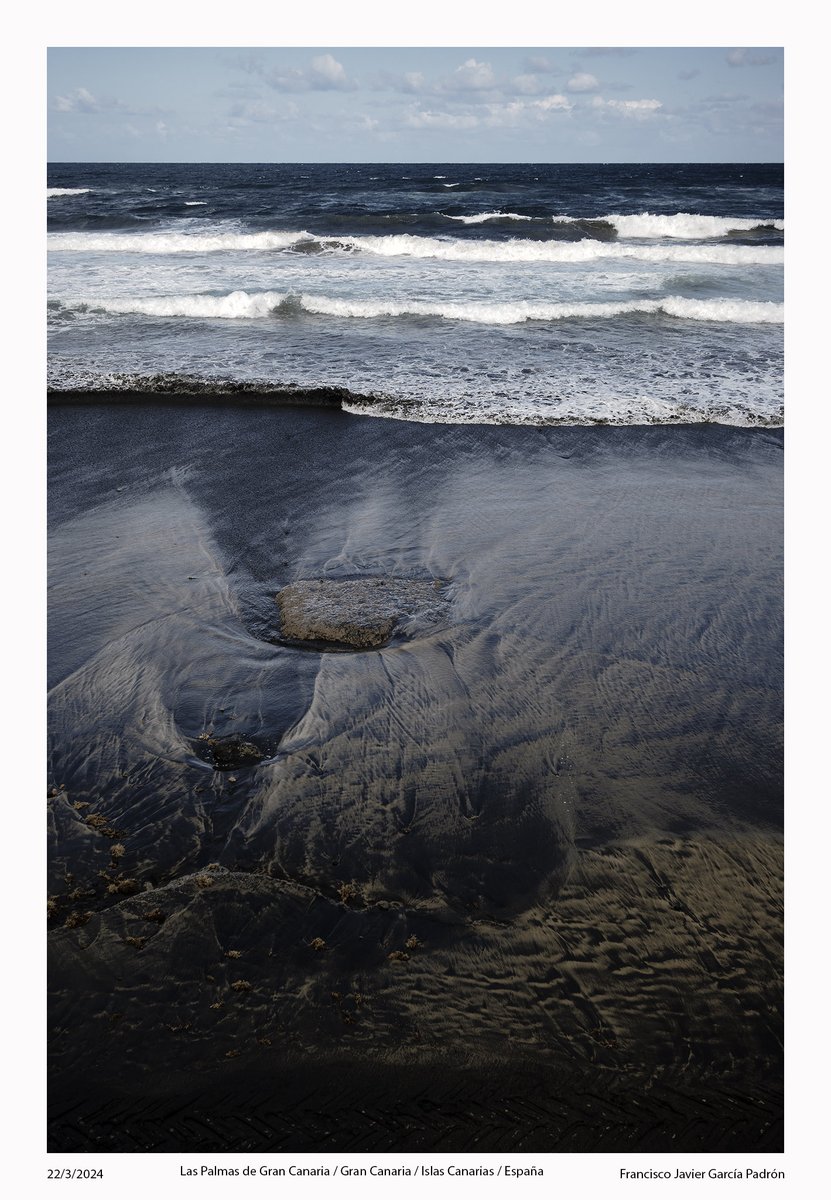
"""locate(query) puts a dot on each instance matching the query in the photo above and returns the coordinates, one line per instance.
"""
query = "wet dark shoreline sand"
(510, 883)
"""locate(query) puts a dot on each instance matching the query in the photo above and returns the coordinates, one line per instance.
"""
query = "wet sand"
(512, 881)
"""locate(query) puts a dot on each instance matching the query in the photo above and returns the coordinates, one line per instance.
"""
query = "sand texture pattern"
(516, 869)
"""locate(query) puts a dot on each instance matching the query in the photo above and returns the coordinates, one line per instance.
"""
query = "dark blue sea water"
(531, 293)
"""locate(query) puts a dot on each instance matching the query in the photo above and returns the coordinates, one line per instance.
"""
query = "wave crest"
(174, 243)
(244, 305)
(514, 250)
(693, 226)
(480, 218)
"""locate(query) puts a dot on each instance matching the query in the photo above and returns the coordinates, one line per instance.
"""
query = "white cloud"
(329, 73)
(324, 74)
(582, 82)
(79, 100)
(473, 76)
(627, 108)
(516, 111)
(551, 102)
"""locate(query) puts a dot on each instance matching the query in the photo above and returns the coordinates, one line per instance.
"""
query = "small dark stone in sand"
(226, 753)
(360, 614)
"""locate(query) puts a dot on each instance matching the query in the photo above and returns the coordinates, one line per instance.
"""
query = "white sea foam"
(585, 409)
(479, 218)
(236, 305)
(512, 313)
(174, 243)
(680, 225)
(50, 192)
(517, 250)
(245, 305)
(513, 250)
(195, 203)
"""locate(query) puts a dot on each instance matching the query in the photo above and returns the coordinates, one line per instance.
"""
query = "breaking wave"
(514, 250)
(50, 192)
(174, 243)
(253, 305)
(683, 225)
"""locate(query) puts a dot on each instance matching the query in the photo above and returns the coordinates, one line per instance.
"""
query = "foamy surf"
(519, 250)
(739, 311)
(173, 243)
(403, 245)
(235, 306)
(692, 226)
(582, 411)
(244, 305)
(57, 191)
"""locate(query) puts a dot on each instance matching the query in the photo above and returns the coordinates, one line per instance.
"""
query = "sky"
(410, 104)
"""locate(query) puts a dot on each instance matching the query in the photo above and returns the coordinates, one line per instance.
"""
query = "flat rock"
(360, 614)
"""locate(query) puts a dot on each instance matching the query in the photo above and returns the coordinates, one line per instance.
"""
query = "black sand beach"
(510, 882)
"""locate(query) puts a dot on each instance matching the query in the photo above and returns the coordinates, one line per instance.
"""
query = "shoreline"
(334, 398)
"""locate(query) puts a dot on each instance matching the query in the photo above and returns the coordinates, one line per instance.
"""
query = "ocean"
(477, 293)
